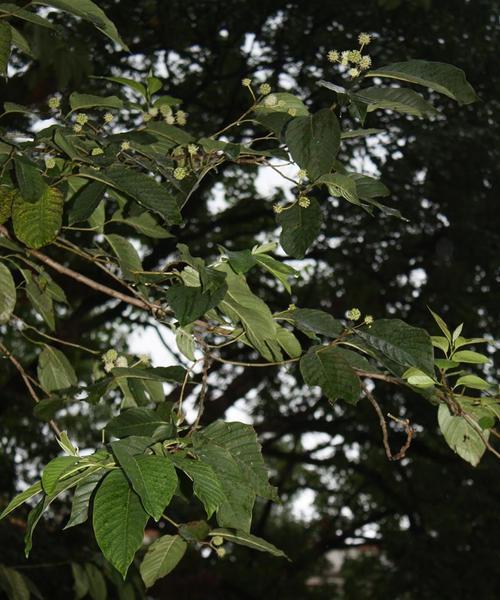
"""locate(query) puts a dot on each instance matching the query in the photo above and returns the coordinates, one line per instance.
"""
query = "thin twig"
(383, 426)
(27, 383)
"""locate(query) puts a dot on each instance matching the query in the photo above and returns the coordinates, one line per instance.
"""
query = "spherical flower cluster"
(165, 110)
(153, 111)
(365, 62)
(278, 208)
(146, 117)
(220, 552)
(81, 118)
(122, 362)
(292, 112)
(180, 173)
(344, 59)
(265, 89)
(181, 117)
(353, 72)
(109, 359)
(108, 117)
(364, 39)
(354, 56)
(54, 102)
(354, 314)
(125, 145)
(368, 320)
(170, 119)
(304, 202)
(302, 174)
(246, 82)
(50, 163)
(271, 100)
(217, 540)
(145, 359)
(192, 149)
(333, 56)
(77, 128)
(97, 151)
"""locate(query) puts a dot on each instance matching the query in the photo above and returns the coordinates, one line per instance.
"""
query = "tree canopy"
(302, 216)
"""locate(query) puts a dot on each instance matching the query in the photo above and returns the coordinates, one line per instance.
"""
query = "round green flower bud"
(217, 540)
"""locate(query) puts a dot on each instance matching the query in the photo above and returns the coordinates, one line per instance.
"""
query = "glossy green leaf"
(398, 345)
(473, 382)
(300, 228)
(145, 224)
(37, 224)
(439, 341)
(7, 294)
(189, 303)
(5, 47)
(21, 498)
(206, 485)
(314, 141)
(29, 179)
(84, 101)
(312, 320)
(468, 356)
(194, 531)
(128, 257)
(418, 378)
(136, 421)
(162, 557)
(119, 520)
(340, 185)
(81, 499)
(88, 10)
(54, 470)
(55, 372)
(85, 201)
(153, 478)
(327, 367)
(461, 436)
(441, 77)
(278, 269)
(401, 100)
(246, 539)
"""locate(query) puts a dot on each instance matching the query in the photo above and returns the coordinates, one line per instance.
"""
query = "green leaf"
(81, 499)
(5, 43)
(81, 581)
(314, 141)
(250, 541)
(467, 342)
(206, 485)
(54, 470)
(441, 324)
(278, 269)
(21, 43)
(83, 101)
(194, 531)
(7, 195)
(55, 372)
(128, 257)
(85, 201)
(21, 498)
(289, 343)
(96, 581)
(356, 133)
(399, 346)
(468, 356)
(190, 303)
(14, 584)
(7, 294)
(162, 557)
(300, 228)
(88, 10)
(185, 343)
(327, 367)
(136, 421)
(173, 374)
(461, 436)
(240, 441)
(40, 299)
(284, 102)
(401, 100)
(418, 378)
(441, 77)
(137, 86)
(153, 478)
(146, 224)
(438, 341)
(340, 185)
(146, 191)
(473, 382)
(312, 320)
(239, 496)
(25, 15)
(119, 520)
(368, 187)
(31, 183)
(37, 224)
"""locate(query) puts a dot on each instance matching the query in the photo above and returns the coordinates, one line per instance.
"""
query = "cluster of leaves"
(79, 179)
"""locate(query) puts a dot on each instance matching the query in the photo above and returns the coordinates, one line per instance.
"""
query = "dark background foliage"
(424, 528)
